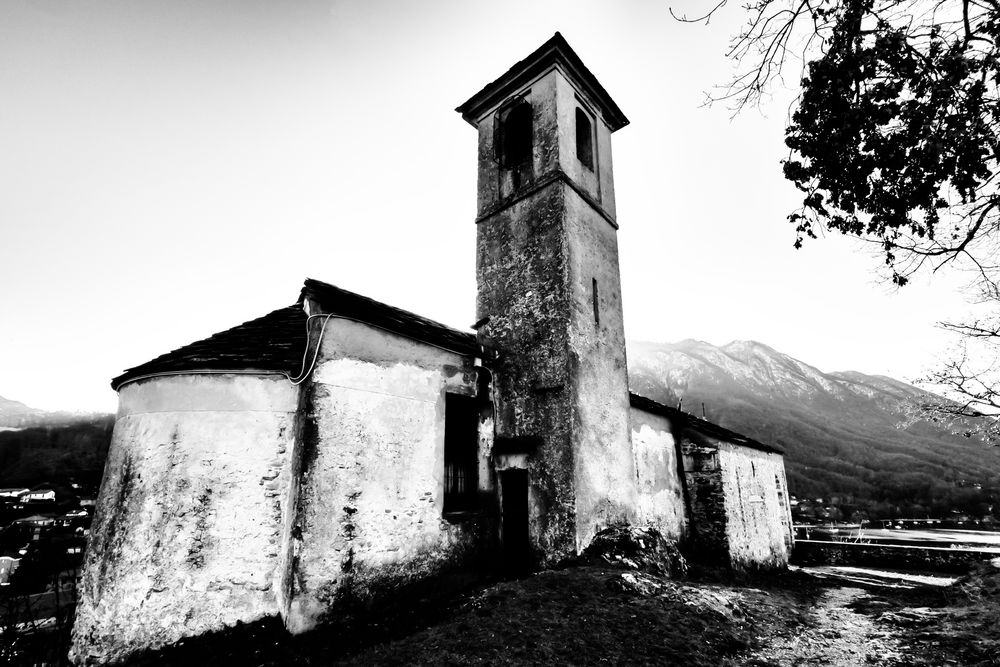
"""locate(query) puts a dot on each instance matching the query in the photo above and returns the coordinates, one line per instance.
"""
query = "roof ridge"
(274, 341)
(709, 428)
(351, 305)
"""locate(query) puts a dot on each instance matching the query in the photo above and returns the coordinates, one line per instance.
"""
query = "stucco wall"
(757, 534)
(604, 464)
(596, 182)
(369, 517)
(187, 533)
(660, 493)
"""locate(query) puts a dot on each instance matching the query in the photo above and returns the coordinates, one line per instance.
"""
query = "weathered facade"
(336, 450)
(549, 293)
(727, 499)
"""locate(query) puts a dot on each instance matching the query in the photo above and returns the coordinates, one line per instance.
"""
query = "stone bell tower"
(549, 301)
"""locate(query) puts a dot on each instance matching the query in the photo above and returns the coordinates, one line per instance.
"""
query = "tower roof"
(556, 51)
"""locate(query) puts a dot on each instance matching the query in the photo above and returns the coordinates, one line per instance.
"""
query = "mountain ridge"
(845, 433)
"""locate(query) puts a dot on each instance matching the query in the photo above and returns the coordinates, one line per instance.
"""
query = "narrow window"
(513, 134)
(597, 310)
(461, 456)
(584, 139)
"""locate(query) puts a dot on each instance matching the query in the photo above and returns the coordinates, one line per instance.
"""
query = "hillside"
(58, 452)
(14, 414)
(37, 446)
(840, 431)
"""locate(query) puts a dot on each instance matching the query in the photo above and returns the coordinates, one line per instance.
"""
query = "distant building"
(332, 451)
(8, 566)
(39, 496)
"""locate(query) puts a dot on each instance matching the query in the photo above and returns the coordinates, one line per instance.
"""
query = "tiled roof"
(276, 342)
(332, 299)
(700, 425)
(273, 343)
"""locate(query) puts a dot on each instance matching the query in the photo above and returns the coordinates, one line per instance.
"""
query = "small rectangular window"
(597, 305)
(461, 453)
(584, 139)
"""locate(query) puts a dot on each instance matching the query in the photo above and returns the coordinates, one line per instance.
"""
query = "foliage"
(894, 135)
(971, 377)
(895, 139)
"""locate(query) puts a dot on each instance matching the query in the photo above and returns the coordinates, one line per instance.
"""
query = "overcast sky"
(171, 168)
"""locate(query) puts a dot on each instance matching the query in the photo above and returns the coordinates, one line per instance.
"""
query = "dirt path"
(837, 635)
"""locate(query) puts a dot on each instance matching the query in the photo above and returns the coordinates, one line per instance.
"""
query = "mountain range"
(844, 434)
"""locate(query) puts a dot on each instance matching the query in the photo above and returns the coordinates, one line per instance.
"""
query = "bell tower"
(549, 297)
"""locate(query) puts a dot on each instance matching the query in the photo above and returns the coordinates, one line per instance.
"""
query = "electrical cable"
(303, 373)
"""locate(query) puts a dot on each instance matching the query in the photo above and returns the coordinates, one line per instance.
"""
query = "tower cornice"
(555, 52)
(555, 176)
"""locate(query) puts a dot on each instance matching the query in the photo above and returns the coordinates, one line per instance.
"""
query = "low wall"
(939, 559)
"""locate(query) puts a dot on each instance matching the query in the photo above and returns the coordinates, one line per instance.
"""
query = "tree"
(893, 139)
(971, 377)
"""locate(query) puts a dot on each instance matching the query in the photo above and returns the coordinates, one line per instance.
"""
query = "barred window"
(513, 133)
(461, 452)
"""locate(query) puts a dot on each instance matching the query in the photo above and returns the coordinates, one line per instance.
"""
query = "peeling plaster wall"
(756, 530)
(660, 497)
(369, 517)
(598, 182)
(495, 184)
(188, 529)
(522, 278)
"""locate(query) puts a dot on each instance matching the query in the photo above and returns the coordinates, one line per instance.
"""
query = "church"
(338, 448)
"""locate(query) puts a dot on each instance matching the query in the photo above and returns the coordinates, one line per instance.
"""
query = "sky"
(171, 168)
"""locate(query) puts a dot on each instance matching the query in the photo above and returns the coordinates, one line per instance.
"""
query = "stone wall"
(370, 502)
(660, 497)
(708, 537)
(739, 510)
(187, 533)
(522, 274)
(937, 559)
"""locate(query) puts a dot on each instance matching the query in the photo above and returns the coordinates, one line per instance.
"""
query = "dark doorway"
(514, 495)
